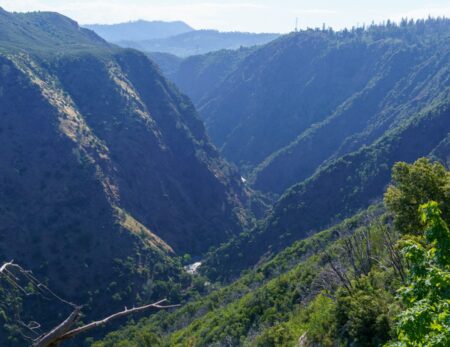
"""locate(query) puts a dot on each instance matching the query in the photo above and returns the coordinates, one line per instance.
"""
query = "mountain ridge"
(139, 30)
(201, 41)
(181, 41)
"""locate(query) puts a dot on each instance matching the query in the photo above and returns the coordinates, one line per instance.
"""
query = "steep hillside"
(167, 63)
(305, 98)
(338, 287)
(105, 170)
(409, 78)
(139, 30)
(238, 314)
(198, 75)
(337, 190)
(200, 42)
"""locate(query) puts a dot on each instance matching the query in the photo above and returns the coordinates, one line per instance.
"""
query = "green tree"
(413, 185)
(426, 320)
(362, 316)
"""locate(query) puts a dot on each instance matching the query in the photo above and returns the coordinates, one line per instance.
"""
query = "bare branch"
(50, 338)
(341, 274)
(6, 265)
(124, 313)
(31, 326)
(47, 289)
(62, 332)
(395, 258)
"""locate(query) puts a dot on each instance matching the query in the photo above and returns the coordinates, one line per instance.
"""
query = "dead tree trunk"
(65, 330)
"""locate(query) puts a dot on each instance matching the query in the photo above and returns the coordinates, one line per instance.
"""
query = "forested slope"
(350, 285)
(106, 172)
(337, 190)
(318, 118)
(287, 108)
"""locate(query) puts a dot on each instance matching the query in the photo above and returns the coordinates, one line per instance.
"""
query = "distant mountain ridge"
(140, 30)
(176, 38)
(200, 42)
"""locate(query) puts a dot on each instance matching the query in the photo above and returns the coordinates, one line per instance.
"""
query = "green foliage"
(363, 313)
(186, 259)
(320, 321)
(271, 305)
(317, 319)
(412, 186)
(136, 339)
(10, 303)
(426, 319)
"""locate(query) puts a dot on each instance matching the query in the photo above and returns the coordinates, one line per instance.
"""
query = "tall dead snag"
(339, 271)
(67, 329)
(358, 250)
(395, 258)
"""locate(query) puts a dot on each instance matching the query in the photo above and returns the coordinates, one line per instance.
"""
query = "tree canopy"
(413, 185)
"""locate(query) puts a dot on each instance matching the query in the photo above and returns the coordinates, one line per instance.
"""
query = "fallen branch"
(65, 330)
(61, 332)
(5, 265)
(54, 335)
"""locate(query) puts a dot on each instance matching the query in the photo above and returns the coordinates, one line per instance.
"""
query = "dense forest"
(306, 202)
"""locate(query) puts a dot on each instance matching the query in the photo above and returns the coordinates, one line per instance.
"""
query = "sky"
(244, 15)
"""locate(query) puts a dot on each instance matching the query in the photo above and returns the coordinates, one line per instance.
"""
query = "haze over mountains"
(139, 30)
(111, 180)
(176, 38)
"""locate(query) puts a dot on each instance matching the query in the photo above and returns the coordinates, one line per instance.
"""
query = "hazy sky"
(245, 15)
